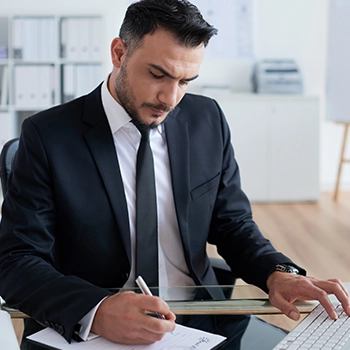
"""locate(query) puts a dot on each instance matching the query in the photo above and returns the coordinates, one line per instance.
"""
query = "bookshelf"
(45, 61)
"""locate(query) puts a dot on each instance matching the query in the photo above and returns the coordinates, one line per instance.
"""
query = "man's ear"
(118, 52)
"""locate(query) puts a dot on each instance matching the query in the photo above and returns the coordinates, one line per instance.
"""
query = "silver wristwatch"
(287, 268)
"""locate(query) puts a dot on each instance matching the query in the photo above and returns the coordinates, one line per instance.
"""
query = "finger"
(146, 330)
(342, 295)
(154, 304)
(170, 316)
(336, 287)
(340, 283)
(323, 298)
(286, 307)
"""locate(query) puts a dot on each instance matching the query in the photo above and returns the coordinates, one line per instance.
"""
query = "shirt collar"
(116, 114)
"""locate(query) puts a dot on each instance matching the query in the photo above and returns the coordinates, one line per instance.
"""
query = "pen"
(146, 291)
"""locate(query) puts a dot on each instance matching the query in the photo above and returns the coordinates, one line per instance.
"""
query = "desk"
(245, 299)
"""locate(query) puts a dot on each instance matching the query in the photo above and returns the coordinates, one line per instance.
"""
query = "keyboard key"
(318, 331)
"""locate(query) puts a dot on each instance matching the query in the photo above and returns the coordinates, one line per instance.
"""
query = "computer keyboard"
(319, 331)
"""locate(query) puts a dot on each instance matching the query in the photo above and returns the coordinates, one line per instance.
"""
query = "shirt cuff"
(86, 323)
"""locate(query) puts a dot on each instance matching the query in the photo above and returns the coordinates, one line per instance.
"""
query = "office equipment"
(277, 77)
(319, 331)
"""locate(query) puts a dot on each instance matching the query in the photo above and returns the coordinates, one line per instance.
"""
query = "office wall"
(282, 28)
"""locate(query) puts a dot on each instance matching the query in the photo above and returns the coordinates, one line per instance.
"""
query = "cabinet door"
(276, 141)
(293, 150)
(248, 125)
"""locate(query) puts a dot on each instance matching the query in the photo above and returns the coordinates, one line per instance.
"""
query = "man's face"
(151, 81)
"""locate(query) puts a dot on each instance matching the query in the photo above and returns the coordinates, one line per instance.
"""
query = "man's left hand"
(285, 288)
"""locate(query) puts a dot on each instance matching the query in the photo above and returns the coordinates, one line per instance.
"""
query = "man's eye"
(183, 82)
(156, 76)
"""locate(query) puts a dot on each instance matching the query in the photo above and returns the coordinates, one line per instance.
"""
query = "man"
(68, 227)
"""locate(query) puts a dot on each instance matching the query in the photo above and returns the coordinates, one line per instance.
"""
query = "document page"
(181, 338)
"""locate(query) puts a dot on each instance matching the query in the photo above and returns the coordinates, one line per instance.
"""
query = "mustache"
(160, 107)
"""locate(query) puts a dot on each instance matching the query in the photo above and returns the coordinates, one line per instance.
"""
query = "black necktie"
(146, 214)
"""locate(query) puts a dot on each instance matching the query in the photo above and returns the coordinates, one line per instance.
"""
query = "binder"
(95, 76)
(83, 38)
(45, 86)
(72, 38)
(46, 39)
(68, 78)
(63, 37)
(30, 39)
(50, 39)
(3, 38)
(95, 35)
(4, 86)
(26, 86)
(17, 43)
(8, 127)
(81, 79)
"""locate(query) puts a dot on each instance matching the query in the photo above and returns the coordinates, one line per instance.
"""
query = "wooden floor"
(314, 235)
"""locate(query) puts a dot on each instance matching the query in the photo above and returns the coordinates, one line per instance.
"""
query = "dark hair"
(180, 17)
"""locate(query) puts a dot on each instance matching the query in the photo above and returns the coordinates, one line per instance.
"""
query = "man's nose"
(169, 95)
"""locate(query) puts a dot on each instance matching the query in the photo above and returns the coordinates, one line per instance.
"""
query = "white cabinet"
(276, 142)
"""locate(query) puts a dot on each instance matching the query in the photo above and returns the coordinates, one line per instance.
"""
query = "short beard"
(126, 97)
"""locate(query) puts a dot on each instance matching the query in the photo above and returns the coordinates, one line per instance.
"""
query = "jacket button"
(59, 329)
(125, 276)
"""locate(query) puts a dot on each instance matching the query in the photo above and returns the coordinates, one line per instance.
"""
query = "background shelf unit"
(45, 61)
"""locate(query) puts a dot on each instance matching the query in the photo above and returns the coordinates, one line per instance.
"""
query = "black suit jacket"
(64, 236)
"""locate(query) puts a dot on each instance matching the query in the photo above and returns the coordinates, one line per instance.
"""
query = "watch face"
(287, 268)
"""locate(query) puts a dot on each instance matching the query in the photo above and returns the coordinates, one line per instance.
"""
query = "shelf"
(33, 67)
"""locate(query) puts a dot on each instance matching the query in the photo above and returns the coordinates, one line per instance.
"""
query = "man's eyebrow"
(167, 74)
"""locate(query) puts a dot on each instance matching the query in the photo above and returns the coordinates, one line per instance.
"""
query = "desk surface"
(245, 299)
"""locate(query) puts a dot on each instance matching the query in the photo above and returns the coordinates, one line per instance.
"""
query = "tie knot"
(144, 130)
(145, 134)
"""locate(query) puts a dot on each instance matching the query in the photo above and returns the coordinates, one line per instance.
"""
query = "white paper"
(181, 338)
(8, 338)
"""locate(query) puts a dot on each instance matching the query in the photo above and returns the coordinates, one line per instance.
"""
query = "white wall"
(283, 28)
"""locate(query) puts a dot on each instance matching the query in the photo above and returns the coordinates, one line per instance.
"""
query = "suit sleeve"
(29, 279)
(237, 237)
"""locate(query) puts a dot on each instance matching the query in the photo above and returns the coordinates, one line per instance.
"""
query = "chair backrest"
(6, 161)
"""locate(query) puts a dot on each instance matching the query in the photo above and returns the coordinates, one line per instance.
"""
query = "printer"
(277, 76)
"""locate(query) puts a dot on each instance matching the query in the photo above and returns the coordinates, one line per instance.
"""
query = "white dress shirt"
(173, 270)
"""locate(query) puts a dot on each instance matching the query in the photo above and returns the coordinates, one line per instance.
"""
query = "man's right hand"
(122, 318)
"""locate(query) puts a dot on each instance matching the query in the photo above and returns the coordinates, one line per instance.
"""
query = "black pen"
(146, 291)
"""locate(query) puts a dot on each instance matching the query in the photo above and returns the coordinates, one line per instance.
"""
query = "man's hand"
(285, 288)
(122, 318)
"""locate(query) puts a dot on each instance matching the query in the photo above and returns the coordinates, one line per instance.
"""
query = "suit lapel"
(100, 142)
(178, 149)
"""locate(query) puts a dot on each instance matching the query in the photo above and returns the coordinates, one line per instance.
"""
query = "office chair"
(6, 160)
(222, 270)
